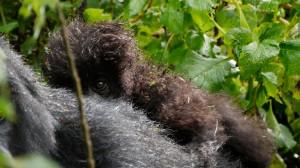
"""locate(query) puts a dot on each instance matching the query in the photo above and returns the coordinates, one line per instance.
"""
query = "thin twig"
(79, 94)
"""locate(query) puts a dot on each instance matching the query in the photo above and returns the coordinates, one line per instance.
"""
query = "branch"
(79, 94)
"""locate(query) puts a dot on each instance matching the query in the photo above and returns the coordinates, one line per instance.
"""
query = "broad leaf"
(172, 19)
(205, 72)
(255, 55)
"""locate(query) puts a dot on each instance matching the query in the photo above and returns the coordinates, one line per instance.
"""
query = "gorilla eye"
(101, 87)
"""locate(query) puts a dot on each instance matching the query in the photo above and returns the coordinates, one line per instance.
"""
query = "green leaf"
(291, 85)
(28, 45)
(203, 5)
(253, 2)
(268, 6)
(202, 20)
(285, 139)
(134, 7)
(277, 69)
(205, 72)
(9, 27)
(271, 77)
(269, 30)
(238, 37)
(255, 55)
(39, 8)
(92, 3)
(6, 109)
(290, 56)
(282, 134)
(277, 162)
(227, 18)
(194, 40)
(177, 55)
(262, 97)
(295, 125)
(250, 17)
(270, 83)
(93, 15)
(172, 19)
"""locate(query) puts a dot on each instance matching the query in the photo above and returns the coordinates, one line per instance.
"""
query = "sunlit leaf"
(93, 15)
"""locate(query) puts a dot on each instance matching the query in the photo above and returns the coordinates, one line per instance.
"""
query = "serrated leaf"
(290, 56)
(205, 72)
(255, 55)
(172, 19)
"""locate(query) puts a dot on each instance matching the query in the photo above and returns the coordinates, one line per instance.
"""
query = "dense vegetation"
(247, 48)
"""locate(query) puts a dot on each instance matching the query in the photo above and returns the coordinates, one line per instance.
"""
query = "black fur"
(48, 124)
(107, 53)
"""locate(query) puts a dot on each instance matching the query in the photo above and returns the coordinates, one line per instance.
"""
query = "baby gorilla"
(109, 64)
(48, 123)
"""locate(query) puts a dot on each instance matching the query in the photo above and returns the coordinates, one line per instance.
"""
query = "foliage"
(247, 48)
